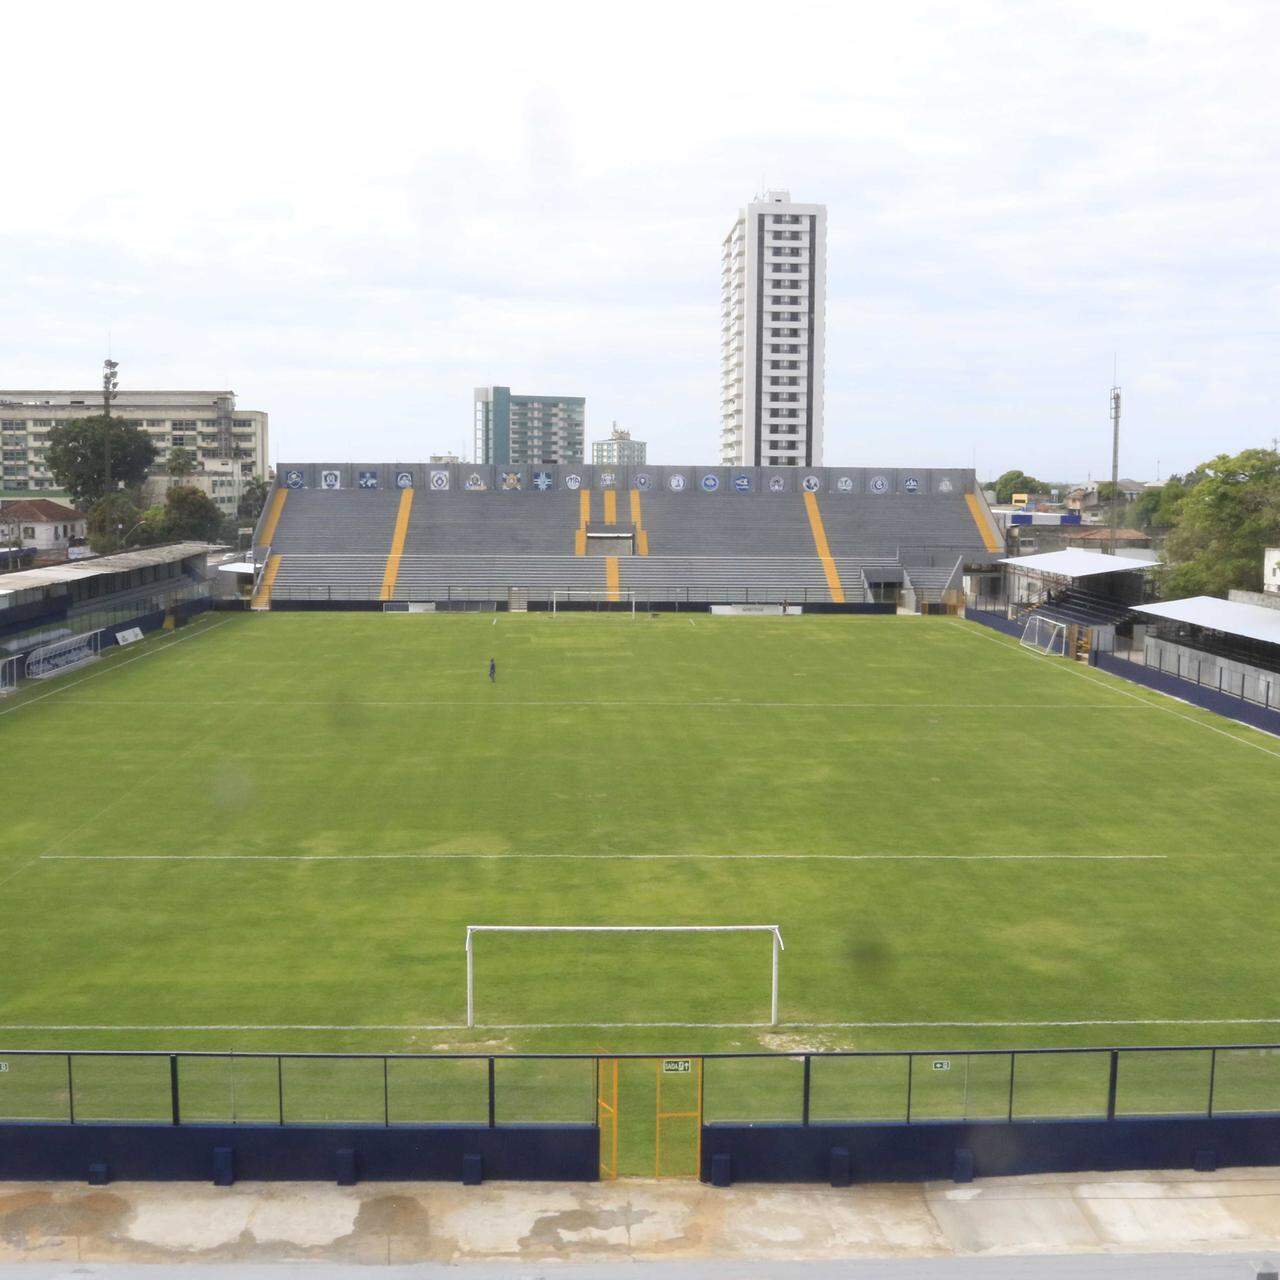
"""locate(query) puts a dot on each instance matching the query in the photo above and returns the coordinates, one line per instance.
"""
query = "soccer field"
(271, 832)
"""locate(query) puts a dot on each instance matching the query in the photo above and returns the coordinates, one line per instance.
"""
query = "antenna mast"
(110, 383)
(1115, 467)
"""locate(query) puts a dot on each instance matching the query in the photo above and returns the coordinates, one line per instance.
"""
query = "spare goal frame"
(473, 929)
(1045, 635)
(9, 675)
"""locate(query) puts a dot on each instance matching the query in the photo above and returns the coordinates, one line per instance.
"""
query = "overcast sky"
(354, 214)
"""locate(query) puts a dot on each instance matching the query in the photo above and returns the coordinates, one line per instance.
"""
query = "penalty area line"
(604, 857)
(587, 1026)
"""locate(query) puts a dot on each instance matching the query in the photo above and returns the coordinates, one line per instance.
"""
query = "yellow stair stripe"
(392, 571)
(819, 531)
(273, 517)
(990, 539)
(262, 597)
(610, 507)
(642, 536)
(584, 517)
(611, 577)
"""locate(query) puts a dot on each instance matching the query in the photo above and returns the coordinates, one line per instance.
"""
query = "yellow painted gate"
(650, 1116)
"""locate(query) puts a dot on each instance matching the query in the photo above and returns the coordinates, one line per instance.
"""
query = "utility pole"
(1115, 467)
(110, 383)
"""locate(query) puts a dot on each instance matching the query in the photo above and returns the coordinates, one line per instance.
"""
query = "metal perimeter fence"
(900, 1087)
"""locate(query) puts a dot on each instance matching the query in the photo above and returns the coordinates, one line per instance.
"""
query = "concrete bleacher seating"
(316, 522)
(758, 524)
(503, 524)
(704, 543)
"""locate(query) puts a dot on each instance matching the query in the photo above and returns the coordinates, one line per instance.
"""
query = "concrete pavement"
(1061, 1217)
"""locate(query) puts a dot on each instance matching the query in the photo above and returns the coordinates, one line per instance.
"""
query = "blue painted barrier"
(1223, 704)
(916, 1152)
(194, 1152)
(996, 621)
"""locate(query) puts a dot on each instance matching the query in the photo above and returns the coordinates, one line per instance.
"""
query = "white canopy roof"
(1253, 621)
(1076, 563)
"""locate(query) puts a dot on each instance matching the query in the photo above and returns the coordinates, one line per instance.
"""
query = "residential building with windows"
(515, 429)
(226, 440)
(773, 334)
(619, 450)
(46, 526)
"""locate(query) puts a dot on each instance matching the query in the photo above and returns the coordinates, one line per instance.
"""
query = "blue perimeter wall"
(1198, 695)
(996, 621)
(321, 1153)
(1223, 704)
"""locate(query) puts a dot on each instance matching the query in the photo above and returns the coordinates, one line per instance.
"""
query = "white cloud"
(354, 215)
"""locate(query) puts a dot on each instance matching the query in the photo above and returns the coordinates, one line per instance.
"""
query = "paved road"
(1141, 1266)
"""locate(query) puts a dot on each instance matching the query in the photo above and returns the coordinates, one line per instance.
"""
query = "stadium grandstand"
(58, 616)
(455, 534)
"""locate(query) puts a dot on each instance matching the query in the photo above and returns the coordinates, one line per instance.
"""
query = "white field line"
(554, 1026)
(1158, 703)
(114, 666)
(724, 704)
(604, 857)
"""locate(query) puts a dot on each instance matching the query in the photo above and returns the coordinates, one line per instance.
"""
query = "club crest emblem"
(404, 479)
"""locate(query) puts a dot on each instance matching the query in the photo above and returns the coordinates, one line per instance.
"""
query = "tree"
(180, 463)
(118, 520)
(1222, 523)
(190, 516)
(77, 456)
(1159, 508)
(1017, 482)
(253, 499)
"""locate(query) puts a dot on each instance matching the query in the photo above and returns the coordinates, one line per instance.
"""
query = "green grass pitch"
(189, 830)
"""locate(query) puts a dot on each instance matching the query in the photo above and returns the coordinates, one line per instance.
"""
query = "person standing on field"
(493, 671)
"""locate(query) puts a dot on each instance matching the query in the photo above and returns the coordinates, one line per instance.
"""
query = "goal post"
(1045, 635)
(8, 675)
(581, 595)
(772, 929)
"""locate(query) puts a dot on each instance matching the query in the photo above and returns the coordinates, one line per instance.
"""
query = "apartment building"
(773, 334)
(227, 440)
(515, 429)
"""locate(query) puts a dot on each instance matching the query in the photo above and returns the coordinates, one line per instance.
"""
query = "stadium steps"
(262, 596)
(830, 572)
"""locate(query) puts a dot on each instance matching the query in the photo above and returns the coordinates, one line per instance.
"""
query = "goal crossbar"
(773, 929)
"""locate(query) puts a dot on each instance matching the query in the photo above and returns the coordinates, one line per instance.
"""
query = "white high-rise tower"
(773, 334)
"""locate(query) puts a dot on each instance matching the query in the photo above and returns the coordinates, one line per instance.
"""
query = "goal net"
(565, 599)
(8, 675)
(658, 975)
(63, 655)
(1045, 635)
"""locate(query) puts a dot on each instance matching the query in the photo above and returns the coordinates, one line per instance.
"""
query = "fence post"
(279, 1089)
(804, 1112)
(71, 1094)
(1213, 1071)
(493, 1111)
(174, 1107)
(911, 1059)
(1013, 1060)
(386, 1098)
(1111, 1084)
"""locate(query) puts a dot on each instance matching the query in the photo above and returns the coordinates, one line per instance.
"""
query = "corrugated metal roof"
(75, 570)
(1252, 621)
(1076, 562)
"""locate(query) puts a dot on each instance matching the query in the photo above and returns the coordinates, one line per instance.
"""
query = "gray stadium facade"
(851, 537)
